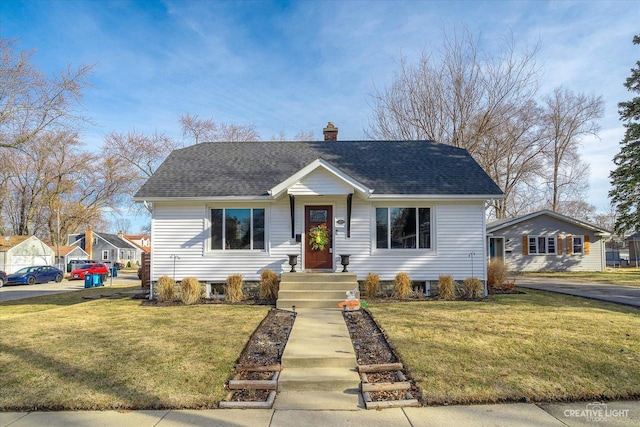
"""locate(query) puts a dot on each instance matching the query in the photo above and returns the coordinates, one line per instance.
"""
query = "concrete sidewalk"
(621, 413)
(626, 295)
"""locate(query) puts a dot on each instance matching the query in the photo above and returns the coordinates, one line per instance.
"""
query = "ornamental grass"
(371, 284)
(496, 273)
(473, 288)
(402, 286)
(190, 291)
(446, 287)
(234, 288)
(166, 289)
(269, 285)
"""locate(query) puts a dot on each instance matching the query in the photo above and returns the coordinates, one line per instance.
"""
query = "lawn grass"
(615, 276)
(65, 352)
(537, 346)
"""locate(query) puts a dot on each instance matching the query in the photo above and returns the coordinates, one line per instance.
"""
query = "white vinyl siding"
(181, 233)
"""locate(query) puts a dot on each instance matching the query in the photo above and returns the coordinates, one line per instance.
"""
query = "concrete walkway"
(625, 413)
(626, 295)
(318, 364)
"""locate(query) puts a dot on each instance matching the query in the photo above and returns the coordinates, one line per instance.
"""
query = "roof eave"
(436, 197)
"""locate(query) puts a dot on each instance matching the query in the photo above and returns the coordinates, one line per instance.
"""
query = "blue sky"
(290, 66)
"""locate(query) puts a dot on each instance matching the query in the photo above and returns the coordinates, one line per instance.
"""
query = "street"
(15, 292)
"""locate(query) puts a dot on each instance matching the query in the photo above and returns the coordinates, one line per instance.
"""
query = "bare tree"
(31, 103)
(471, 99)
(200, 130)
(55, 188)
(121, 225)
(207, 130)
(568, 118)
(143, 152)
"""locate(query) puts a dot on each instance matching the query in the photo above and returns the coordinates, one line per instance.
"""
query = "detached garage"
(17, 252)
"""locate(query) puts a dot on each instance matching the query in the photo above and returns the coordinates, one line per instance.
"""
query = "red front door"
(318, 259)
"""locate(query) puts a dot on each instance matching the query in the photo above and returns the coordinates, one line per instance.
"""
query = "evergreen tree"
(625, 178)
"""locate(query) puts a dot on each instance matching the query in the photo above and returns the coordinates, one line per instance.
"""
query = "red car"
(95, 268)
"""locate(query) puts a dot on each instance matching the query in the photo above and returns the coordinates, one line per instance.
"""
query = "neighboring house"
(23, 251)
(547, 241)
(105, 247)
(65, 254)
(140, 241)
(633, 242)
(242, 207)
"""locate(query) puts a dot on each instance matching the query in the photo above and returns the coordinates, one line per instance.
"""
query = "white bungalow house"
(242, 207)
(547, 241)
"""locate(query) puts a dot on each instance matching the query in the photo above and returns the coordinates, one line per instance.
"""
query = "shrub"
(268, 285)
(166, 289)
(446, 287)
(190, 291)
(371, 284)
(234, 288)
(473, 288)
(496, 273)
(128, 264)
(402, 286)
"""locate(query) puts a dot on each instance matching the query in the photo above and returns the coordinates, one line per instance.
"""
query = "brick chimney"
(88, 242)
(330, 132)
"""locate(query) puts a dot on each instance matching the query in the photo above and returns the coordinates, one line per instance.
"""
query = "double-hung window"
(403, 228)
(542, 245)
(237, 228)
(578, 244)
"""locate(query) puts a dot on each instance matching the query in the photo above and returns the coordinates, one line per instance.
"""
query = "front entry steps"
(314, 290)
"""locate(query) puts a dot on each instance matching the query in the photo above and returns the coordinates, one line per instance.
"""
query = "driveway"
(618, 294)
(14, 292)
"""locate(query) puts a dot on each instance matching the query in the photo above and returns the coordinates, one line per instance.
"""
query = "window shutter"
(525, 245)
(559, 249)
(586, 245)
(569, 244)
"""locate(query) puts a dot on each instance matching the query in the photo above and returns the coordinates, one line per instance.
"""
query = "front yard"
(536, 346)
(65, 352)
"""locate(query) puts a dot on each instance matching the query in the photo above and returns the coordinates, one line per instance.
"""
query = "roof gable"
(504, 223)
(305, 177)
(252, 169)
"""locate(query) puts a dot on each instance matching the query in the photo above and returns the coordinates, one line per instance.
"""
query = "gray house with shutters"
(547, 241)
(242, 207)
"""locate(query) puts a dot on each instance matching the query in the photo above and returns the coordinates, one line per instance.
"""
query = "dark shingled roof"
(252, 168)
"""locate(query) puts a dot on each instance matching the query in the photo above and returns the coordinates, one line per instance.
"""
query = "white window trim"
(403, 251)
(548, 238)
(105, 255)
(573, 246)
(224, 250)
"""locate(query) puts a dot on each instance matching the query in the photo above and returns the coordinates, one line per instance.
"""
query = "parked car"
(83, 269)
(35, 274)
(74, 263)
(3, 278)
(140, 273)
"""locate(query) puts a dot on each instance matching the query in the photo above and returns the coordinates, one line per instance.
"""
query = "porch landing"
(314, 290)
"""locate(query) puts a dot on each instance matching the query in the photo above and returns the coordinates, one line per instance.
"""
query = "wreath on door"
(318, 237)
